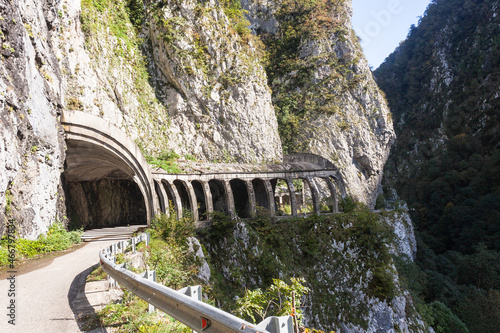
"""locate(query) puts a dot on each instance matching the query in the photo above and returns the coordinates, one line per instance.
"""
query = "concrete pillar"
(162, 197)
(229, 198)
(177, 198)
(251, 198)
(270, 197)
(293, 200)
(333, 193)
(314, 193)
(192, 200)
(209, 204)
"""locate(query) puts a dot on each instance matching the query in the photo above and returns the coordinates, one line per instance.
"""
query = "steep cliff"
(217, 94)
(442, 84)
(325, 98)
(443, 87)
(344, 259)
(31, 99)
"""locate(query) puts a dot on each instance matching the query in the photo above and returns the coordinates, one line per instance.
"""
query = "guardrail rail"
(184, 305)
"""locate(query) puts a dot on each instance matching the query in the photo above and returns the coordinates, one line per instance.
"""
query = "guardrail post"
(112, 282)
(150, 275)
(277, 324)
(193, 292)
(133, 244)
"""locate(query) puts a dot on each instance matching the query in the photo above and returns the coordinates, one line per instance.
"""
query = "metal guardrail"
(189, 310)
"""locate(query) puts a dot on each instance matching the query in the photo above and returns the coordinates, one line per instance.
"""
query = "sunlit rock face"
(325, 97)
(215, 86)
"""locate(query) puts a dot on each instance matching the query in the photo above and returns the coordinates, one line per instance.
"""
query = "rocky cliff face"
(174, 76)
(325, 97)
(442, 84)
(216, 88)
(343, 259)
(31, 99)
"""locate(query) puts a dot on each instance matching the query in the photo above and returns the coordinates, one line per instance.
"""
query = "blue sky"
(383, 24)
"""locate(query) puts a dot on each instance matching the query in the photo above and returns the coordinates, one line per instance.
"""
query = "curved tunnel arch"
(98, 150)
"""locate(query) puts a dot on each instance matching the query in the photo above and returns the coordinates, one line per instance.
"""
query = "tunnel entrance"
(100, 189)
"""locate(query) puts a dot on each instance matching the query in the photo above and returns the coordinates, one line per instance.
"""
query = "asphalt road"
(43, 297)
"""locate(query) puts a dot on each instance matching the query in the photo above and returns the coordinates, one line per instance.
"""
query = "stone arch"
(283, 192)
(97, 150)
(241, 197)
(218, 192)
(327, 195)
(311, 191)
(162, 197)
(173, 198)
(336, 192)
(263, 194)
(202, 200)
(188, 197)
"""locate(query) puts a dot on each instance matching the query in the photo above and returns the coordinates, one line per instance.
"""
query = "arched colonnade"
(239, 194)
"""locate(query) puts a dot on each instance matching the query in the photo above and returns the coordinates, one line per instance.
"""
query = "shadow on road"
(83, 311)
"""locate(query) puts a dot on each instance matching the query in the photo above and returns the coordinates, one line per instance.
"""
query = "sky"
(383, 24)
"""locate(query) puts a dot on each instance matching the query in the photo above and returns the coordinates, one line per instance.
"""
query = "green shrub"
(175, 265)
(4, 255)
(382, 285)
(166, 160)
(131, 315)
(171, 228)
(347, 204)
(380, 202)
(135, 12)
(56, 239)
(222, 226)
(235, 13)
(276, 300)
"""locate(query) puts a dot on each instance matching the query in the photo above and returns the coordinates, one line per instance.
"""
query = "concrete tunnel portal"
(106, 180)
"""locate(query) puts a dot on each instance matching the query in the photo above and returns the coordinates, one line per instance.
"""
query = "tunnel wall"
(104, 203)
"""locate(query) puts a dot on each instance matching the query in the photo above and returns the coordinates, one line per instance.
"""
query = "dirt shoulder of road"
(39, 261)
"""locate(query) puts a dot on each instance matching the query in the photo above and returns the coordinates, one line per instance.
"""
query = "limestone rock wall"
(31, 146)
(183, 79)
(214, 84)
(324, 91)
(340, 276)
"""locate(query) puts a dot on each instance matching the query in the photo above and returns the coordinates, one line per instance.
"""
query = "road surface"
(40, 300)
